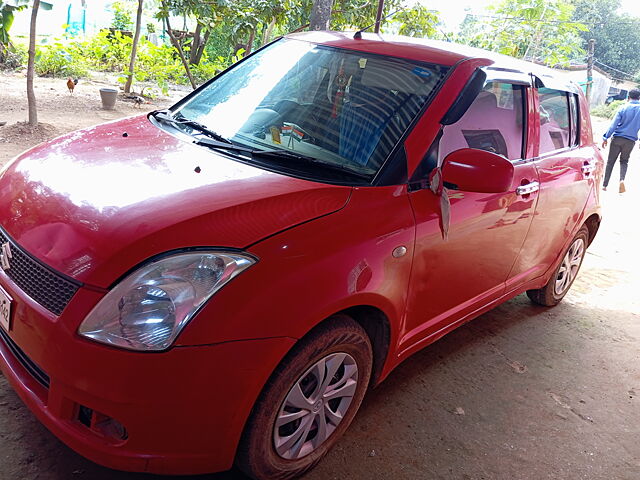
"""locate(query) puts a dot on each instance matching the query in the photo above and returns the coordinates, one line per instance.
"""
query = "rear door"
(566, 173)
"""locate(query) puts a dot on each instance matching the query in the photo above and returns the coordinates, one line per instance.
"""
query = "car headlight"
(150, 307)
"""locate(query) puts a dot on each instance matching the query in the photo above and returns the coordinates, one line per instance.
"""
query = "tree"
(417, 22)
(617, 36)
(540, 30)
(31, 96)
(320, 15)
(164, 14)
(134, 48)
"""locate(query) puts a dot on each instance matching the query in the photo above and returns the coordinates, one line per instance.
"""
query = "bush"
(110, 52)
(15, 57)
(607, 111)
(107, 51)
(58, 60)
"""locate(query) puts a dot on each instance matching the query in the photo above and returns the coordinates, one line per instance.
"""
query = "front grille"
(50, 289)
(36, 372)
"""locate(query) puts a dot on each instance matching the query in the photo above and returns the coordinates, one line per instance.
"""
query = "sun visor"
(399, 77)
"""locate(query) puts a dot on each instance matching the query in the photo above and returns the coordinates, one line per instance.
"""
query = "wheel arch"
(375, 322)
(593, 224)
(377, 326)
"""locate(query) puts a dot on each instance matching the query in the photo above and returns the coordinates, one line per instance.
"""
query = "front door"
(453, 278)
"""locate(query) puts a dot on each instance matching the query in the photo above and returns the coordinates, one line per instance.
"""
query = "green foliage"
(15, 57)
(417, 22)
(107, 51)
(6, 20)
(541, 30)
(110, 52)
(121, 16)
(607, 111)
(59, 60)
(617, 36)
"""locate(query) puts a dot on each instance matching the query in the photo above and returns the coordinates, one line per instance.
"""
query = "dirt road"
(59, 111)
(522, 392)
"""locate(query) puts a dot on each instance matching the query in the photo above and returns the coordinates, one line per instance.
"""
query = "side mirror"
(473, 170)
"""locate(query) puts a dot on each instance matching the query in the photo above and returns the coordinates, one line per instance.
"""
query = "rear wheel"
(308, 403)
(562, 279)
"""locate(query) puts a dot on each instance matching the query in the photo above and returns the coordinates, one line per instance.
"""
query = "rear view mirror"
(479, 171)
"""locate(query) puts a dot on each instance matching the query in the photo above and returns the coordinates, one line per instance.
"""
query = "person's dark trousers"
(619, 146)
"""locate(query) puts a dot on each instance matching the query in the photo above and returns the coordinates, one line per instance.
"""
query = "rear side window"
(494, 122)
(555, 120)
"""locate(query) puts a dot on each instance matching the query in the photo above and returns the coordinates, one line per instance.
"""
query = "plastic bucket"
(108, 96)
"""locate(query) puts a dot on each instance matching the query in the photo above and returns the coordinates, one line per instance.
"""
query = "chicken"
(138, 100)
(71, 84)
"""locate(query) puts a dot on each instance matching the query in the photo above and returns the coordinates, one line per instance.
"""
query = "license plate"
(5, 310)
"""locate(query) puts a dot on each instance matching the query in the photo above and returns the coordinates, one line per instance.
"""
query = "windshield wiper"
(179, 119)
(223, 145)
(217, 142)
(281, 153)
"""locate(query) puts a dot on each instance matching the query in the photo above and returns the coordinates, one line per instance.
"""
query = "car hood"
(95, 203)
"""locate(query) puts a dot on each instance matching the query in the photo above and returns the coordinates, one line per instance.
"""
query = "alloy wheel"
(569, 267)
(315, 406)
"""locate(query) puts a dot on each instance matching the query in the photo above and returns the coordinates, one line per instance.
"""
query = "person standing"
(624, 128)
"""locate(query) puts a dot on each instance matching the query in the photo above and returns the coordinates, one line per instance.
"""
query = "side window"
(555, 121)
(494, 122)
(575, 119)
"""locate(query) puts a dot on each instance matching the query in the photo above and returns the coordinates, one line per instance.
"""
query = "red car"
(221, 282)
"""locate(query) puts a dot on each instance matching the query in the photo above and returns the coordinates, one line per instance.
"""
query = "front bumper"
(183, 409)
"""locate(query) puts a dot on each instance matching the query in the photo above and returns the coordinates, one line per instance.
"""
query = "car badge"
(5, 255)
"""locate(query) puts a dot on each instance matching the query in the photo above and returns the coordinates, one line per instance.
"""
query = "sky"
(453, 12)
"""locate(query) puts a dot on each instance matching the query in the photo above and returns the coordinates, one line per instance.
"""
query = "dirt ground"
(58, 111)
(522, 392)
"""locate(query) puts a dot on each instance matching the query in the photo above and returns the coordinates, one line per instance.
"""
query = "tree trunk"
(31, 96)
(134, 48)
(198, 45)
(195, 45)
(267, 33)
(178, 47)
(320, 15)
(201, 47)
(252, 37)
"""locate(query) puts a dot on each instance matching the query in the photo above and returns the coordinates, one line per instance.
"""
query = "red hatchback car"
(222, 281)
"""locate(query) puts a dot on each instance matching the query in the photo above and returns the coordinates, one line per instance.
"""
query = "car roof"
(424, 50)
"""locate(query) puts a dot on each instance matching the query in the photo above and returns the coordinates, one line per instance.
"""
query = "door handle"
(528, 189)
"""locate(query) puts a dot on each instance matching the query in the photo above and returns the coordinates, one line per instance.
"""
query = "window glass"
(344, 109)
(575, 122)
(494, 122)
(555, 127)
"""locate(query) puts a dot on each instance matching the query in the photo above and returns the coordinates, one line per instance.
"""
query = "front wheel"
(565, 274)
(308, 403)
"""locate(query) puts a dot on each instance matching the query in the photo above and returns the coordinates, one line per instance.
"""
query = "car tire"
(563, 277)
(339, 346)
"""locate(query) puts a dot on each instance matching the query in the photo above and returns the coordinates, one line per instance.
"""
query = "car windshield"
(339, 111)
